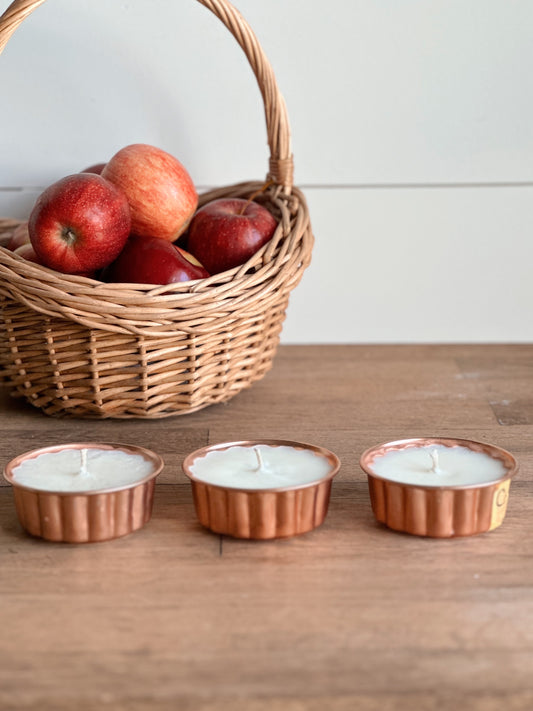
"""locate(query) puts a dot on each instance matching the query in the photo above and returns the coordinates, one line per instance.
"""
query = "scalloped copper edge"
(439, 512)
(262, 514)
(85, 517)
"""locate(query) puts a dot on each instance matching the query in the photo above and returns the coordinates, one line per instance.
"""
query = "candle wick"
(259, 466)
(83, 467)
(435, 461)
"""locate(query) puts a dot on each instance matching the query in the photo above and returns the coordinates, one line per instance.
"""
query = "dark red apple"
(79, 224)
(96, 168)
(160, 191)
(27, 251)
(19, 237)
(226, 232)
(152, 260)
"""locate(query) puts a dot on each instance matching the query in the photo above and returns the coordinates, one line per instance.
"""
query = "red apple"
(152, 260)
(27, 251)
(79, 224)
(19, 237)
(96, 168)
(160, 191)
(225, 233)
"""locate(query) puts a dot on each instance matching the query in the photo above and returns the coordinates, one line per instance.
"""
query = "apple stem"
(254, 195)
(68, 235)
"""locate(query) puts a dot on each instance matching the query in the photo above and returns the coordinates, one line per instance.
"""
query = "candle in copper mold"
(260, 467)
(87, 469)
(438, 465)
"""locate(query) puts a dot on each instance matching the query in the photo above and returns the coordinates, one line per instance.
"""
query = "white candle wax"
(438, 465)
(87, 469)
(260, 467)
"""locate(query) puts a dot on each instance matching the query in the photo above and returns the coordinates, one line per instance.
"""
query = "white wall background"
(412, 129)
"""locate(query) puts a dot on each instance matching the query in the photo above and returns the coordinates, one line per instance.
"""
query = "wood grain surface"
(350, 616)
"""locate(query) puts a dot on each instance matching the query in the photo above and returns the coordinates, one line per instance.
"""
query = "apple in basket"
(27, 252)
(95, 168)
(151, 260)
(19, 237)
(225, 233)
(159, 189)
(79, 224)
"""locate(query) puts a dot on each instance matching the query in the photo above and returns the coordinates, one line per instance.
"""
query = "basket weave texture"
(73, 346)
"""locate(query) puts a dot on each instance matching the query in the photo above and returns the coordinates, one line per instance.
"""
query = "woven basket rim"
(158, 310)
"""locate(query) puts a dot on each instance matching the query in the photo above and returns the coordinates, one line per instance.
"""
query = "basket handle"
(277, 123)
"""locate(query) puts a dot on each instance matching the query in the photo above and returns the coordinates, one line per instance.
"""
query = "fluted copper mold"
(439, 511)
(85, 517)
(262, 514)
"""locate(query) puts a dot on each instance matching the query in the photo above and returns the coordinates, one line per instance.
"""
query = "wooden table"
(351, 616)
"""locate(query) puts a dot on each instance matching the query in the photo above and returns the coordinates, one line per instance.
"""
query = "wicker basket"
(75, 346)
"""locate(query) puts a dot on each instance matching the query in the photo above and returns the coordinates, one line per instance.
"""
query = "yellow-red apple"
(159, 189)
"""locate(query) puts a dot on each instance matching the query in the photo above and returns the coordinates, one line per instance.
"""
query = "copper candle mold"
(439, 511)
(85, 516)
(262, 514)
